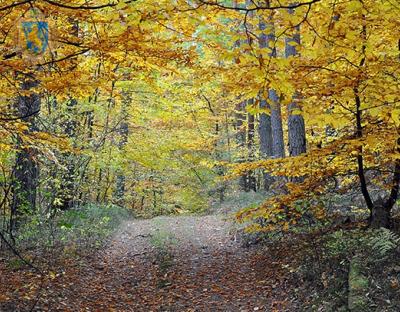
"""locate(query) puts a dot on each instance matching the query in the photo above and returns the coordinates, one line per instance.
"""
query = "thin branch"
(82, 7)
(64, 58)
(20, 117)
(258, 7)
(66, 6)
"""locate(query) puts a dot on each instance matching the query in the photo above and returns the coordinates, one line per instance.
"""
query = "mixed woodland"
(273, 122)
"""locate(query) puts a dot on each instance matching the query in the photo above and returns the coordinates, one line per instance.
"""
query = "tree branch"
(20, 117)
(257, 7)
(81, 7)
(67, 6)
(360, 160)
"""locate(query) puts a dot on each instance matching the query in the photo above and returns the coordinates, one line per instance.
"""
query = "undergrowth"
(71, 232)
(326, 263)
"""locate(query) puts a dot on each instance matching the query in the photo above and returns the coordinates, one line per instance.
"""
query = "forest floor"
(190, 263)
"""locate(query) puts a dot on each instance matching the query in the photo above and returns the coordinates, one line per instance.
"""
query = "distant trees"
(272, 86)
(325, 85)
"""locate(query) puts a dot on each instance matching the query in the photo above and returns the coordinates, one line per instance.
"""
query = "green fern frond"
(384, 242)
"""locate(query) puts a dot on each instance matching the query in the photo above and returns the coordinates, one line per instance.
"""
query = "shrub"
(86, 226)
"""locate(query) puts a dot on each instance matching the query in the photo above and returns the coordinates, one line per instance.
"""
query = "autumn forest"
(199, 155)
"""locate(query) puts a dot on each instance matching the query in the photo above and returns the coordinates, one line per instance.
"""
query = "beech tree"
(265, 127)
(296, 127)
(342, 87)
(342, 74)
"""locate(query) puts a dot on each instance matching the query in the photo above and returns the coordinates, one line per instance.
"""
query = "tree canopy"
(142, 97)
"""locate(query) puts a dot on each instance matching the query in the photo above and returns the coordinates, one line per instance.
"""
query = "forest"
(199, 155)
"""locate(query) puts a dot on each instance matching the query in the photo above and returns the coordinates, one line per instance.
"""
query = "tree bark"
(265, 134)
(278, 143)
(296, 127)
(26, 168)
(265, 125)
(297, 135)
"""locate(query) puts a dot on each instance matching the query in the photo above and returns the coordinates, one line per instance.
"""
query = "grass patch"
(163, 241)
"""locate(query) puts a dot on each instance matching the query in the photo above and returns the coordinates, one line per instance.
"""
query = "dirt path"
(196, 234)
(175, 264)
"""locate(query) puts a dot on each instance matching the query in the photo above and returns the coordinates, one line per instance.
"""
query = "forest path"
(190, 263)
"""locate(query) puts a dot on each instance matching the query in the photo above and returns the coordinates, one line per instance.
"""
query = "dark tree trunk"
(68, 179)
(265, 134)
(380, 210)
(278, 145)
(380, 216)
(26, 171)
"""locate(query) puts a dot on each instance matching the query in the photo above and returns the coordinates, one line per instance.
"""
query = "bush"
(82, 227)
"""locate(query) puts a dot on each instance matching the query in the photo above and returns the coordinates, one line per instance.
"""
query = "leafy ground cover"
(205, 263)
(163, 264)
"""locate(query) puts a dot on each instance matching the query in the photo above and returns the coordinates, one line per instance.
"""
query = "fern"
(383, 242)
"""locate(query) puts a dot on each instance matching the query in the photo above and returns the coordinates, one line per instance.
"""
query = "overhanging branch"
(257, 7)
(66, 6)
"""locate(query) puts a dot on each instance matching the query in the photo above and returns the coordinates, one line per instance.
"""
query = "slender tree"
(123, 132)
(296, 127)
(240, 128)
(251, 182)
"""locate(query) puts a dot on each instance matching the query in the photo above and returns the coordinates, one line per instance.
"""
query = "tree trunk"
(26, 168)
(297, 135)
(67, 193)
(265, 134)
(278, 144)
(296, 127)
(123, 133)
(251, 179)
(241, 140)
(379, 216)
(265, 126)
(380, 210)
